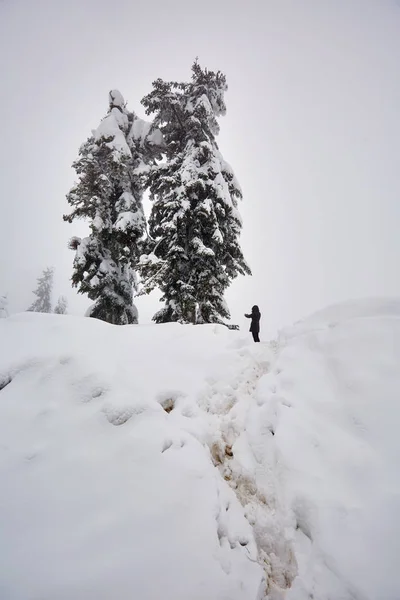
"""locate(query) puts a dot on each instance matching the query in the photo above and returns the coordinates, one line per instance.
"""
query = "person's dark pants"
(255, 336)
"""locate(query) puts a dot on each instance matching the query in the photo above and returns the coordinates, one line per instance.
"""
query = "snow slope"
(185, 463)
(332, 399)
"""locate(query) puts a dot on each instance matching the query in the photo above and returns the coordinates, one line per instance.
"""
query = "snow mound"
(187, 463)
(108, 486)
(339, 313)
(333, 397)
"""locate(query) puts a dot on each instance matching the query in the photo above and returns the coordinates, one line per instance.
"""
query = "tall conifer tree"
(194, 227)
(109, 195)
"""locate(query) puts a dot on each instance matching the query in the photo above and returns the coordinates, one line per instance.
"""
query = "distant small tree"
(3, 307)
(43, 292)
(61, 306)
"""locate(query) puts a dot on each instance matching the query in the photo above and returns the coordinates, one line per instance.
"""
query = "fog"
(312, 131)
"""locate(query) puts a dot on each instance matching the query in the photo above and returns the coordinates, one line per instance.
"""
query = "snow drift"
(186, 463)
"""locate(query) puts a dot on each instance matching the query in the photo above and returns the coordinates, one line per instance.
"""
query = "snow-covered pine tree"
(109, 195)
(194, 227)
(61, 306)
(43, 292)
(3, 307)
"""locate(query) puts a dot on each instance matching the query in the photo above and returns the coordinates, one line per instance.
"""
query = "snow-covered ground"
(187, 463)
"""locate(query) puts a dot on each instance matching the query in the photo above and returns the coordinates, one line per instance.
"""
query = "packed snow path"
(185, 463)
(234, 452)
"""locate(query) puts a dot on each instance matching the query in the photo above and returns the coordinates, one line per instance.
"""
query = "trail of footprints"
(259, 508)
(219, 402)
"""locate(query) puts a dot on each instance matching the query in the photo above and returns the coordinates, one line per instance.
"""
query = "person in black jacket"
(255, 322)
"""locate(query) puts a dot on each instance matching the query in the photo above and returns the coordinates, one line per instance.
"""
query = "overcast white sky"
(312, 132)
